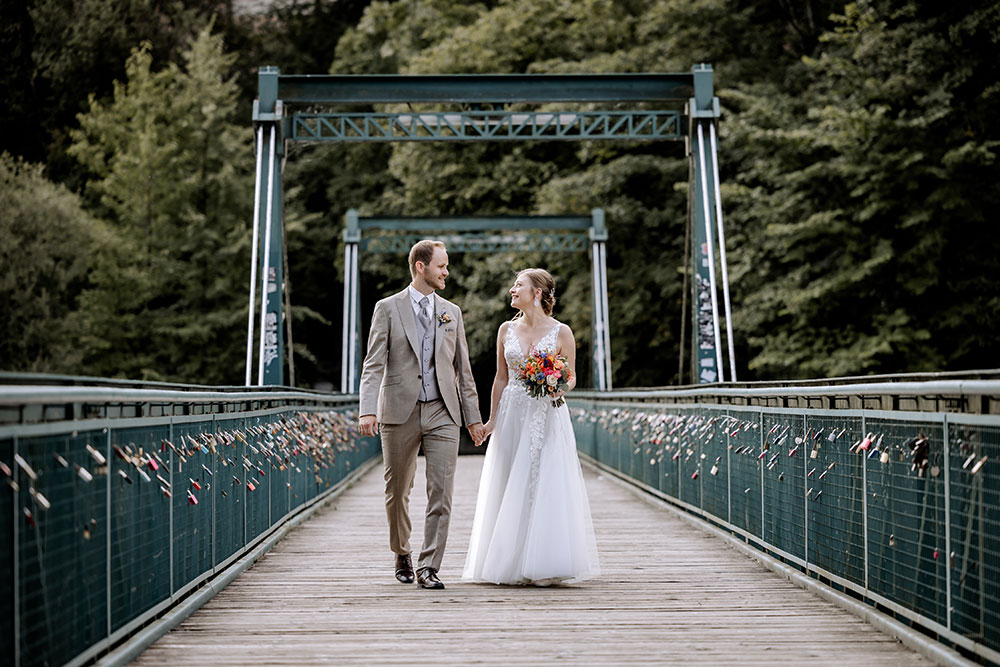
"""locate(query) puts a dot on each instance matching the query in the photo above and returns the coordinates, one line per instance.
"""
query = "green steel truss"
(545, 233)
(291, 108)
(492, 125)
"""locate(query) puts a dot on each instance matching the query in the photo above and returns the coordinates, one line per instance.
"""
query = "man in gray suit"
(417, 387)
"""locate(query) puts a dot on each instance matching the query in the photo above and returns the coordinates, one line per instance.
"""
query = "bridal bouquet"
(546, 374)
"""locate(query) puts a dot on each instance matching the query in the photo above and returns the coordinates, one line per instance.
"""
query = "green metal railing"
(117, 502)
(899, 508)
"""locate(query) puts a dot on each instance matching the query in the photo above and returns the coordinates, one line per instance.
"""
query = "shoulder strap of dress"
(553, 334)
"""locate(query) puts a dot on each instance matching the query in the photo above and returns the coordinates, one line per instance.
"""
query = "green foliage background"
(858, 158)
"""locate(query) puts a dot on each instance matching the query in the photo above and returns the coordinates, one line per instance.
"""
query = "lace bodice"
(515, 397)
(515, 356)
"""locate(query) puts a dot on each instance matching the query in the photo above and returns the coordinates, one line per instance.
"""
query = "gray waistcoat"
(428, 376)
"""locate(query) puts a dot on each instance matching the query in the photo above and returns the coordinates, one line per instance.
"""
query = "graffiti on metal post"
(706, 331)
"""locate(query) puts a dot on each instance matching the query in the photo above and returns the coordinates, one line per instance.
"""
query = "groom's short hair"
(422, 251)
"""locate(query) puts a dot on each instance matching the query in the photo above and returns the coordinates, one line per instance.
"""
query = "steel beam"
(477, 224)
(251, 310)
(350, 378)
(270, 363)
(484, 88)
(600, 320)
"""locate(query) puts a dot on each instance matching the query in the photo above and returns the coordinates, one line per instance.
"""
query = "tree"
(171, 173)
(64, 50)
(46, 253)
(866, 245)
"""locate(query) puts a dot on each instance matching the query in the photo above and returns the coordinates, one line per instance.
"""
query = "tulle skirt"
(532, 522)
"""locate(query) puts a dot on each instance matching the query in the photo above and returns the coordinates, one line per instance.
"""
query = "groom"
(417, 388)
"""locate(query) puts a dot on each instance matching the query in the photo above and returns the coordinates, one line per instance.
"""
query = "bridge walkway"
(669, 594)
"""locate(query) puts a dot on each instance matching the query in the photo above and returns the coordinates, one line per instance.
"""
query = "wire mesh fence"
(902, 509)
(108, 522)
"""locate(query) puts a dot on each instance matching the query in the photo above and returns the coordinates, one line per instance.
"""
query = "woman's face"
(522, 295)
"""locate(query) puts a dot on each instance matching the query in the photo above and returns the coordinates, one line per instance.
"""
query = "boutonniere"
(443, 317)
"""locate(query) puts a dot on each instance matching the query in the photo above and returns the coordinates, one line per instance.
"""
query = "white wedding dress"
(532, 523)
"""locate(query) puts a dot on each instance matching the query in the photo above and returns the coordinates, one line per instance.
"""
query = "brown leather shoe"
(404, 569)
(427, 578)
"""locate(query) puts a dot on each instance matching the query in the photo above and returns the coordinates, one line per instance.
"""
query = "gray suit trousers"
(431, 424)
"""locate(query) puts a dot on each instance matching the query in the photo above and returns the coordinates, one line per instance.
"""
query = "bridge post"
(350, 378)
(600, 324)
(702, 111)
(267, 115)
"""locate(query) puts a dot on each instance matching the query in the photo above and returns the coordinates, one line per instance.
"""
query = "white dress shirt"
(416, 296)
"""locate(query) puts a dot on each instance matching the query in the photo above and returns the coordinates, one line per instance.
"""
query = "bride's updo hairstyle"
(543, 280)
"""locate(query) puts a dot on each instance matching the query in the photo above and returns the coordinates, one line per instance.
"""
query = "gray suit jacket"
(390, 377)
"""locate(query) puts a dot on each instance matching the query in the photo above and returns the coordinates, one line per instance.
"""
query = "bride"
(532, 523)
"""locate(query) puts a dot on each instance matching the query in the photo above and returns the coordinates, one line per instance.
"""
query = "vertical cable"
(729, 474)
(763, 439)
(805, 504)
(16, 521)
(109, 457)
(946, 461)
(711, 251)
(722, 253)
(864, 503)
(253, 254)
(170, 508)
(215, 530)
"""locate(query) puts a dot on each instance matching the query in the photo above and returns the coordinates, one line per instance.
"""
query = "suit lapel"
(405, 310)
(439, 336)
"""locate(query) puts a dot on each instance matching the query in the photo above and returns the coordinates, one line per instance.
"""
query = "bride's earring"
(536, 303)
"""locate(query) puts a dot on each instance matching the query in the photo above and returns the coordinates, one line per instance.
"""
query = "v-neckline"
(521, 348)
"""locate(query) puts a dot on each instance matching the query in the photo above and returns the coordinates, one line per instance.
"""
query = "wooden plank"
(668, 593)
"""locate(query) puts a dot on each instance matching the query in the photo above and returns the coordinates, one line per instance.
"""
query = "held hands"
(478, 433)
(368, 425)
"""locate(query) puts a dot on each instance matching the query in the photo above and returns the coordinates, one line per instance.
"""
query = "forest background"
(858, 156)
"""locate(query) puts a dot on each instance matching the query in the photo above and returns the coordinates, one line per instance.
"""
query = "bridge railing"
(116, 501)
(899, 507)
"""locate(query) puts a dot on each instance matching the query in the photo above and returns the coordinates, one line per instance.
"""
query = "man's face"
(436, 271)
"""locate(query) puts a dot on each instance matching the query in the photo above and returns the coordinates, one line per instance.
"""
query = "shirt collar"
(416, 296)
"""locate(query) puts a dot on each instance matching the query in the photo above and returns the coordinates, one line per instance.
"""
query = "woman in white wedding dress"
(532, 523)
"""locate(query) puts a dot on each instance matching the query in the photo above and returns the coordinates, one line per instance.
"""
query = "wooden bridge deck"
(669, 593)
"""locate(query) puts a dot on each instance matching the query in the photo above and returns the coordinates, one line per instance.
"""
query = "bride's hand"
(488, 429)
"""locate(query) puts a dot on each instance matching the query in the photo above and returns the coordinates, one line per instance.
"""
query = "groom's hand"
(368, 425)
(477, 433)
